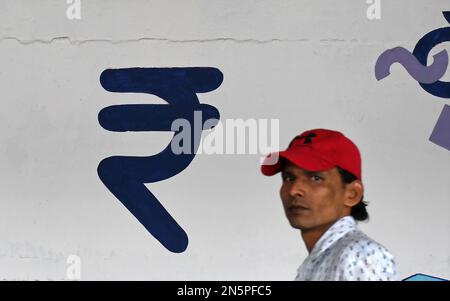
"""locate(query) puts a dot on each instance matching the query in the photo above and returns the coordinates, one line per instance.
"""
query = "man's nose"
(298, 187)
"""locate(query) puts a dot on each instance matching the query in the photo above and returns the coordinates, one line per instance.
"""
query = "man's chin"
(298, 225)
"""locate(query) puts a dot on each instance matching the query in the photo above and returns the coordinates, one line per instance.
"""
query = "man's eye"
(316, 178)
(287, 178)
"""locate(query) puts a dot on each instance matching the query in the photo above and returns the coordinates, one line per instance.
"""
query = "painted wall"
(307, 63)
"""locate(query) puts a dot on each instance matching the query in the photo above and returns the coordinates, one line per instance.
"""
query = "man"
(322, 195)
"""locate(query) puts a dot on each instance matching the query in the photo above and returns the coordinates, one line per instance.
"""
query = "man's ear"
(353, 193)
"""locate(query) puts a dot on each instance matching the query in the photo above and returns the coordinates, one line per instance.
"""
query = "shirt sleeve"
(368, 261)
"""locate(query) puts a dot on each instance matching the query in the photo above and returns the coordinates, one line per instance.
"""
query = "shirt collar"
(339, 229)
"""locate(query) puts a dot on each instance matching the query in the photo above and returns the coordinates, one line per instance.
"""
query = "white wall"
(308, 63)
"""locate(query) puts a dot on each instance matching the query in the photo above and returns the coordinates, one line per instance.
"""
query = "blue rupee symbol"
(125, 176)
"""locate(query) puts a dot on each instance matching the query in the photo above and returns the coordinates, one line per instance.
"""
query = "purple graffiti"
(427, 76)
(441, 131)
(422, 74)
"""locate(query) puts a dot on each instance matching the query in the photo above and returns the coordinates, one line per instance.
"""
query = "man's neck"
(311, 236)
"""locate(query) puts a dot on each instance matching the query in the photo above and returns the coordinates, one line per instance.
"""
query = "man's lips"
(297, 209)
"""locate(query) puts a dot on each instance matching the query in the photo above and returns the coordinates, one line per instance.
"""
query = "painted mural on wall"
(427, 76)
(125, 176)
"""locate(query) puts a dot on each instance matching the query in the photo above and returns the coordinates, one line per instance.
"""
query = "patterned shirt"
(345, 253)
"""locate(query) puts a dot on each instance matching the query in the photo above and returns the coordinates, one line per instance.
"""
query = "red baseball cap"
(317, 150)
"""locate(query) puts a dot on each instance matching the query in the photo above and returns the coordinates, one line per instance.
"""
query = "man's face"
(312, 199)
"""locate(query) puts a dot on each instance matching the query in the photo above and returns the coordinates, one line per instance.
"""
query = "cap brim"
(303, 158)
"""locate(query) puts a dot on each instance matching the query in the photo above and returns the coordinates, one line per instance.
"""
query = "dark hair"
(359, 211)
